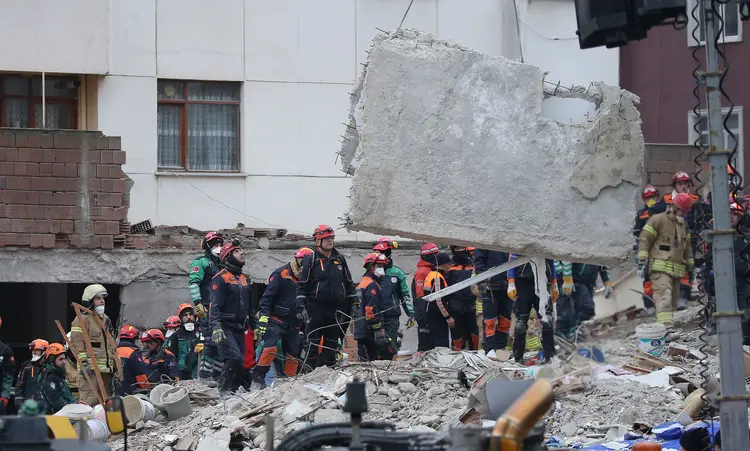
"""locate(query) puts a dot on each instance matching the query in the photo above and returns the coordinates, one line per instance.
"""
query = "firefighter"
(650, 196)
(133, 367)
(664, 254)
(186, 343)
(396, 291)
(93, 299)
(462, 304)
(30, 369)
(522, 290)
(373, 342)
(231, 313)
(202, 270)
(71, 369)
(171, 325)
(577, 302)
(54, 392)
(426, 264)
(7, 369)
(281, 318)
(496, 306)
(161, 363)
(438, 315)
(327, 293)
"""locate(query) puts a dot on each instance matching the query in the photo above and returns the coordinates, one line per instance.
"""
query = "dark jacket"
(279, 301)
(641, 218)
(182, 345)
(161, 362)
(391, 288)
(485, 259)
(133, 369)
(525, 272)
(53, 390)
(370, 315)
(230, 301)
(326, 281)
(26, 382)
(587, 274)
(7, 370)
(463, 301)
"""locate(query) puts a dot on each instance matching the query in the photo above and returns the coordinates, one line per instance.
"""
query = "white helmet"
(91, 291)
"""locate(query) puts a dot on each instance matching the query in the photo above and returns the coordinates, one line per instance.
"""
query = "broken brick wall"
(662, 161)
(62, 189)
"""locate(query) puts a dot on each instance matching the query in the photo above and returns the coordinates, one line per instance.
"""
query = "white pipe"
(476, 279)
(44, 101)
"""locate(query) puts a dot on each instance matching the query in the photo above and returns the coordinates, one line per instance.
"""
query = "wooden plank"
(110, 338)
(78, 361)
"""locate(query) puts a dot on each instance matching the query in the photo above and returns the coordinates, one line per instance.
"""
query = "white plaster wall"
(134, 38)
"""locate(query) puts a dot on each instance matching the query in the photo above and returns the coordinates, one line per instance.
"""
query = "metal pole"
(44, 101)
(732, 402)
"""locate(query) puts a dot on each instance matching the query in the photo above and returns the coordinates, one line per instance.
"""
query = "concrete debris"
(424, 107)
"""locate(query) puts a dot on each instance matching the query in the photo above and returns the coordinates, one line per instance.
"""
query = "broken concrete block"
(330, 416)
(407, 387)
(212, 444)
(454, 146)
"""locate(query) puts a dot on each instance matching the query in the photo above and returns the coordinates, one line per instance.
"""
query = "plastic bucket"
(98, 430)
(156, 394)
(99, 413)
(81, 428)
(177, 402)
(76, 412)
(651, 338)
(137, 409)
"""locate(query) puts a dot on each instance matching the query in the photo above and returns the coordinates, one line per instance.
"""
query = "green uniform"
(53, 389)
(406, 302)
(182, 344)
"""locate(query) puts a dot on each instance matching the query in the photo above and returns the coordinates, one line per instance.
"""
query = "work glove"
(554, 291)
(380, 338)
(451, 322)
(262, 325)
(608, 289)
(568, 286)
(640, 271)
(198, 348)
(411, 322)
(218, 335)
(512, 292)
(200, 311)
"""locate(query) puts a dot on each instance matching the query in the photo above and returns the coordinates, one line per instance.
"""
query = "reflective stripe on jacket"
(665, 244)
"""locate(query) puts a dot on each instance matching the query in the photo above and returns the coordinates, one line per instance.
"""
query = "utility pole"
(733, 401)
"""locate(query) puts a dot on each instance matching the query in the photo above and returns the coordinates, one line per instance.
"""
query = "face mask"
(169, 333)
(680, 219)
(99, 310)
(215, 251)
(189, 327)
(379, 272)
(34, 358)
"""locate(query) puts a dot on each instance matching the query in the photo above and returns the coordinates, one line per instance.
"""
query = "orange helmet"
(376, 258)
(173, 322)
(228, 248)
(649, 191)
(128, 332)
(152, 334)
(323, 231)
(182, 308)
(303, 252)
(38, 345)
(683, 201)
(681, 176)
(54, 349)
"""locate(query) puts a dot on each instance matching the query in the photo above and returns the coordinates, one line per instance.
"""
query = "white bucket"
(99, 413)
(651, 338)
(98, 430)
(76, 412)
(137, 409)
(156, 394)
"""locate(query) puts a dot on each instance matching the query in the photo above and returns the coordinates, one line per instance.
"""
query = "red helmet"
(207, 241)
(683, 201)
(429, 249)
(303, 252)
(323, 231)
(228, 248)
(181, 309)
(128, 332)
(38, 345)
(649, 191)
(152, 334)
(376, 258)
(730, 170)
(681, 176)
(384, 244)
(737, 208)
(172, 322)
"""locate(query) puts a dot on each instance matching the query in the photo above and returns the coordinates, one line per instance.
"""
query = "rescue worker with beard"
(463, 303)
(496, 306)
(231, 313)
(281, 319)
(161, 364)
(395, 290)
(426, 264)
(54, 392)
(577, 302)
(202, 271)
(93, 299)
(372, 340)
(438, 314)
(650, 196)
(26, 381)
(522, 290)
(133, 367)
(664, 254)
(327, 294)
(186, 343)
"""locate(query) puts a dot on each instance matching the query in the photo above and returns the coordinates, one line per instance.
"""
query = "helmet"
(206, 242)
(429, 249)
(730, 170)
(172, 322)
(443, 258)
(323, 231)
(737, 208)
(91, 291)
(385, 244)
(471, 249)
(54, 349)
(649, 191)
(303, 252)
(683, 201)
(182, 308)
(681, 176)
(228, 248)
(38, 345)
(375, 258)
(152, 334)
(128, 332)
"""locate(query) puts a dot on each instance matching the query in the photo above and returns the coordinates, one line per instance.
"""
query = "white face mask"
(379, 272)
(99, 309)
(169, 333)
(189, 327)
(680, 219)
(34, 358)
(215, 251)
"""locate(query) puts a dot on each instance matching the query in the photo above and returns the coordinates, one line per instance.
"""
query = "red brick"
(58, 169)
(2, 153)
(115, 171)
(46, 198)
(108, 242)
(48, 155)
(33, 140)
(29, 169)
(22, 225)
(45, 169)
(7, 139)
(8, 239)
(102, 143)
(113, 227)
(107, 156)
(115, 200)
(107, 214)
(43, 183)
(21, 139)
(95, 184)
(118, 186)
(71, 170)
(44, 226)
(36, 156)
(102, 171)
(23, 239)
(120, 214)
(11, 154)
(65, 184)
(24, 154)
(37, 240)
(4, 225)
(68, 212)
(9, 196)
(65, 199)
(75, 240)
(30, 212)
(7, 168)
(27, 197)
(48, 141)
(19, 183)
(67, 226)
(102, 199)
(49, 241)
(115, 143)
(107, 185)
(141, 243)
(67, 156)
(95, 242)
(100, 227)
(11, 211)
(119, 157)
(95, 156)
(3, 181)
(68, 141)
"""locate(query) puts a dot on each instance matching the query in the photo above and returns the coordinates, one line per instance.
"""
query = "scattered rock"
(383, 390)
(397, 378)
(396, 406)
(170, 439)
(429, 419)
(330, 416)
(213, 444)
(407, 387)
(139, 426)
(393, 393)
(151, 424)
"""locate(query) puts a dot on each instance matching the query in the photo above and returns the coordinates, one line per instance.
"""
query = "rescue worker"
(248, 358)
(664, 254)
(577, 302)
(522, 290)
(71, 370)
(438, 314)
(231, 313)
(327, 293)
(161, 363)
(202, 270)
(171, 325)
(30, 369)
(7, 369)
(372, 340)
(186, 344)
(426, 264)
(396, 292)
(462, 305)
(54, 392)
(281, 318)
(650, 196)
(496, 306)
(93, 299)
(133, 367)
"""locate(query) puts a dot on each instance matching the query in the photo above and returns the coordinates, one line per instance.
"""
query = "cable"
(408, 8)
(518, 30)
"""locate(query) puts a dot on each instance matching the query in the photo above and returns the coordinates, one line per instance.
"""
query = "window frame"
(724, 38)
(739, 133)
(34, 100)
(184, 104)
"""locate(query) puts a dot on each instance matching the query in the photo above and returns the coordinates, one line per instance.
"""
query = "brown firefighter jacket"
(664, 245)
(104, 354)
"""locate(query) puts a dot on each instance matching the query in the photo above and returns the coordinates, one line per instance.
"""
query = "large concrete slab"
(451, 145)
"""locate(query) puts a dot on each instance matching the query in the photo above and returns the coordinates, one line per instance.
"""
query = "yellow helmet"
(90, 292)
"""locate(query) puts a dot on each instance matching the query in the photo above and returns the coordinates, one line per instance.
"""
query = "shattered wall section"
(451, 145)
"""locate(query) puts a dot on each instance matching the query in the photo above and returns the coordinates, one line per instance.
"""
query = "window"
(198, 125)
(730, 13)
(21, 102)
(734, 123)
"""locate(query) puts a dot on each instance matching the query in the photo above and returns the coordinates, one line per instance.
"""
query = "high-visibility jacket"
(105, 356)
(664, 245)
(133, 369)
(436, 282)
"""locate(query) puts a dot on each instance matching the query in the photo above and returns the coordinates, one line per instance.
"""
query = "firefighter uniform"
(462, 305)
(578, 306)
(133, 369)
(202, 271)
(496, 305)
(640, 220)
(105, 356)
(372, 340)
(523, 278)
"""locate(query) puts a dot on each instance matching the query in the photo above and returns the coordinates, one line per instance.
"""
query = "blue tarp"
(668, 434)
